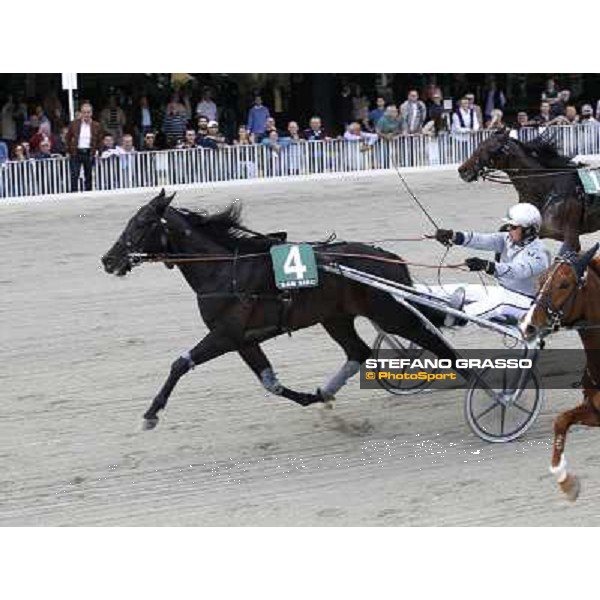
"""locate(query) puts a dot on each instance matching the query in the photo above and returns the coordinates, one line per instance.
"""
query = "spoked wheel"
(496, 412)
(393, 346)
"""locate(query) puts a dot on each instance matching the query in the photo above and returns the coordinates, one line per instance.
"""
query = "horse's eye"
(564, 285)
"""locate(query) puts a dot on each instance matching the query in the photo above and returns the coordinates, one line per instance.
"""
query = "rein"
(501, 175)
(138, 258)
(392, 260)
(555, 314)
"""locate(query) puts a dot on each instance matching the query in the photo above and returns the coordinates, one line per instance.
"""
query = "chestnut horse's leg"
(587, 413)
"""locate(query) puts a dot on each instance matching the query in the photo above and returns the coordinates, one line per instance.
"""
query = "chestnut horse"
(568, 296)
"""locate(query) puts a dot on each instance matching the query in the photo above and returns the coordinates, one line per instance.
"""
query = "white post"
(69, 83)
(71, 105)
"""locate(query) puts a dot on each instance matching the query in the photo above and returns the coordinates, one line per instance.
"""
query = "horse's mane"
(545, 150)
(225, 228)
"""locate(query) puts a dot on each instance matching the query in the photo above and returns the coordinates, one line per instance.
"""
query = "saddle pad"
(294, 266)
(590, 179)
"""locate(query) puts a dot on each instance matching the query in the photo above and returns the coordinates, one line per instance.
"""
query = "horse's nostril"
(530, 330)
(107, 261)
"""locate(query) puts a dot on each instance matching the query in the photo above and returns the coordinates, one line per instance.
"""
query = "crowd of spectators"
(41, 130)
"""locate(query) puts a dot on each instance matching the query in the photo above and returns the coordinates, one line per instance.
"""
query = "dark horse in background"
(543, 177)
(241, 305)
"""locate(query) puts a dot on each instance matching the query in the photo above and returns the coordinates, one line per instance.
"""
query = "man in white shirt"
(464, 119)
(83, 140)
(464, 123)
(589, 134)
(471, 98)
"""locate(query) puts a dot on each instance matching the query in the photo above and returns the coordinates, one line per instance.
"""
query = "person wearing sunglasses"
(520, 257)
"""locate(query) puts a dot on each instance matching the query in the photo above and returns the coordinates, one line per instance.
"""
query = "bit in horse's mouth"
(123, 270)
(469, 176)
(113, 268)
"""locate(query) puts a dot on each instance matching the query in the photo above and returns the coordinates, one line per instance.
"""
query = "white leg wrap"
(270, 382)
(560, 471)
(188, 357)
(349, 369)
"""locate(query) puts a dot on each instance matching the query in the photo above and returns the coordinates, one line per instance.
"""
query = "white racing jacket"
(520, 264)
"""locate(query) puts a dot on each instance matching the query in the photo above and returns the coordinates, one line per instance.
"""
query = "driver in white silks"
(522, 258)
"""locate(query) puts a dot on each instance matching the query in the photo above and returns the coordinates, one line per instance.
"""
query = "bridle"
(488, 171)
(134, 259)
(556, 314)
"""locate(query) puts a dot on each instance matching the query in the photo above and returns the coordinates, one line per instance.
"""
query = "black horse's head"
(490, 154)
(143, 234)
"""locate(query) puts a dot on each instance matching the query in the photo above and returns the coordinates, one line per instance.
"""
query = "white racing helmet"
(524, 215)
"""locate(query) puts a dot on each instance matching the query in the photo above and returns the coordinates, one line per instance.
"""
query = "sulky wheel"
(497, 413)
(393, 346)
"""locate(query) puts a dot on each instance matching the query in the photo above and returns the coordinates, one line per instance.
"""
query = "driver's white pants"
(489, 302)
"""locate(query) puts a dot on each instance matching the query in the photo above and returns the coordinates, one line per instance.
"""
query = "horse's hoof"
(326, 399)
(149, 423)
(570, 487)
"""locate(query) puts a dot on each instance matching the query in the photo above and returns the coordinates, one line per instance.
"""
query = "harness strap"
(285, 312)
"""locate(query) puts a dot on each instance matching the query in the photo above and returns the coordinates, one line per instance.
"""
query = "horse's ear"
(584, 260)
(161, 201)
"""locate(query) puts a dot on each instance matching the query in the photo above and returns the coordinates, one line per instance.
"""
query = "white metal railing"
(229, 163)
(571, 139)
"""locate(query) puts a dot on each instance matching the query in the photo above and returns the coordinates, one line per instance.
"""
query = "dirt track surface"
(83, 354)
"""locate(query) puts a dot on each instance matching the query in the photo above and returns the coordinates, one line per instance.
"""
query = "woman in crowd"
(245, 154)
(496, 121)
(243, 138)
(19, 153)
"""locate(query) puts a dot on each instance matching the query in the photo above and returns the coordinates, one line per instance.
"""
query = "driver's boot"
(457, 302)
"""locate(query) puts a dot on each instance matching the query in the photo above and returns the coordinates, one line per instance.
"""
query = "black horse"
(543, 177)
(229, 268)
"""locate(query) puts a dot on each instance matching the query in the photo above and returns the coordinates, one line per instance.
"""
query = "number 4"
(293, 264)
